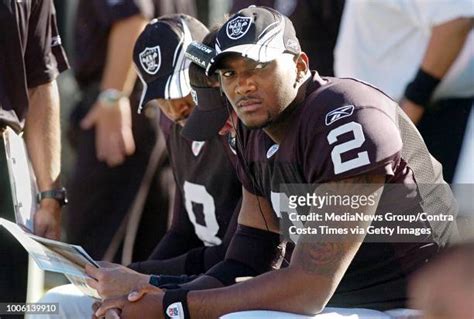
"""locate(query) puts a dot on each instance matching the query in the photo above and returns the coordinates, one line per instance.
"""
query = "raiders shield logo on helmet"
(150, 60)
(238, 27)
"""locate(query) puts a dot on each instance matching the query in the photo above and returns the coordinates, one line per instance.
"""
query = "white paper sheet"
(55, 256)
(22, 181)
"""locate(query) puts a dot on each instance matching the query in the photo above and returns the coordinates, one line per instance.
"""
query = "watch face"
(110, 96)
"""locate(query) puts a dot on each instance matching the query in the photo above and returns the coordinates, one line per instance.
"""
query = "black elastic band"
(175, 304)
(154, 281)
(420, 90)
(170, 281)
(228, 270)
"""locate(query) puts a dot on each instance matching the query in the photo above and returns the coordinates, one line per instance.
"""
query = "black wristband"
(169, 281)
(154, 280)
(421, 89)
(175, 305)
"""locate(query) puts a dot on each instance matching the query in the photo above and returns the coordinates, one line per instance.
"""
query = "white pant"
(74, 304)
(329, 313)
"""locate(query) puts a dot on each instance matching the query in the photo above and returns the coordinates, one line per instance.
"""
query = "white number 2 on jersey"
(195, 193)
(362, 157)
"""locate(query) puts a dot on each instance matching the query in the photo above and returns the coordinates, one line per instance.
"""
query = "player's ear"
(302, 64)
(302, 67)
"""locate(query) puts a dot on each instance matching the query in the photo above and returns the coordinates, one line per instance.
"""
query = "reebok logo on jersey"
(272, 150)
(196, 147)
(175, 311)
(150, 60)
(339, 113)
(238, 27)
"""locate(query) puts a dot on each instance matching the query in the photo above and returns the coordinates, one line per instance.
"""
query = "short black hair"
(197, 75)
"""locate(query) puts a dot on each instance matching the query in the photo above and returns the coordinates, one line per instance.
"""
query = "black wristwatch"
(60, 195)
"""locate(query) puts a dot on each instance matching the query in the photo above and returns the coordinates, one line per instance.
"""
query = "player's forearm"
(42, 135)
(279, 290)
(118, 73)
(171, 266)
(173, 244)
(446, 42)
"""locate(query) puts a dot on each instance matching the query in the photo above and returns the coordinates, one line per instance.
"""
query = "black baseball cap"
(258, 33)
(159, 56)
(208, 116)
(210, 113)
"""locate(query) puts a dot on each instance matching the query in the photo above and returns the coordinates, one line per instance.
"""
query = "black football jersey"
(31, 54)
(206, 181)
(92, 29)
(343, 129)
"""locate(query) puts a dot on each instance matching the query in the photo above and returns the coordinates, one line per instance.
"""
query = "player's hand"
(414, 111)
(149, 306)
(113, 127)
(138, 293)
(115, 280)
(110, 314)
(47, 219)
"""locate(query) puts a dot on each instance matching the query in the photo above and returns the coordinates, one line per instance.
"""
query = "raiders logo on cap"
(238, 27)
(150, 60)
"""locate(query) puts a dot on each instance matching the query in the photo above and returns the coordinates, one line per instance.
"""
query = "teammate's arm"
(257, 214)
(112, 120)
(43, 141)
(194, 261)
(169, 256)
(44, 59)
(446, 42)
(304, 287)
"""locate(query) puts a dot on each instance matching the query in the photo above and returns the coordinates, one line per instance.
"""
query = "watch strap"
(57, 194)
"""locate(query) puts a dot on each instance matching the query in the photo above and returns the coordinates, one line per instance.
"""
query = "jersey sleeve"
(180, 237)
(245, 179)
(242, 165)
(166, 125)
(433, 13)
(110, 12)
(44, 55)
(352, 136)
(195, 261)
(214, 254)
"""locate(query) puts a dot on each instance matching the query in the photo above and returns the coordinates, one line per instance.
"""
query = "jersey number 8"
(195, 193)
